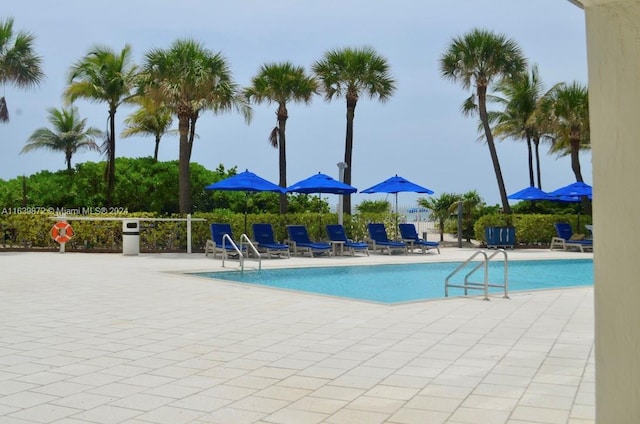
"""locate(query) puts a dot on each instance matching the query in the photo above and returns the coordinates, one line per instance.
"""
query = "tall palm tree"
(69, 135)
(281, 83)
(19, 65)
(104, 76)
(520, 97)
(472, 203)
(440, 208)
(566, 111)
(350, 73)
(476, 59)
(151, 118)
(189, 79)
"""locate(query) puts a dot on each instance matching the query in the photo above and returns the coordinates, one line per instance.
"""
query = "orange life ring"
(62, 232)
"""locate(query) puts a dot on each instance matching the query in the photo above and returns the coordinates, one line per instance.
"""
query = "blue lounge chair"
(379, 240)
(410, 236)
(338, 236)
(566, 240)
(222, 241)
(263, 235)
(299, 240)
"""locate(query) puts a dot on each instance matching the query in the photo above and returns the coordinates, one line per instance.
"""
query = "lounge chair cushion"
(299, 238)
(336, 234)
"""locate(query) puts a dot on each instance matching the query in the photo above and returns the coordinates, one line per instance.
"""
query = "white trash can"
(131, 237)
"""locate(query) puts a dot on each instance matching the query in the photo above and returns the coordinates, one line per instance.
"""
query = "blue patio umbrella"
(530, 193)
(321, 183)
(249, 183)
(572, 193)
(573, 190)
(397, 185)
(245, 181)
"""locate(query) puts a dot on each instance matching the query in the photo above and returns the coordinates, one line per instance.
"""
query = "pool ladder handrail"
(244, 239)
(468, 285)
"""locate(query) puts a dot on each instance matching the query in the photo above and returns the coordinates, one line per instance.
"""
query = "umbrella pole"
(246, 202)
(319, 216)
(395, 230)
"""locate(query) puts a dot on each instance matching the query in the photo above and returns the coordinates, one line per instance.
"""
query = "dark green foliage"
(531, 229)
(143, 186)
(374, 206)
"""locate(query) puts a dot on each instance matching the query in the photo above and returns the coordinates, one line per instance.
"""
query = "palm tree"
(190, 79)
(476, 60)
(566, 111)
(472, 203)
(281, 83)
(352, 72)
(151, 118)
(19, 65)
(69, 135)
(440, 208)
(104, 76)
(520, 98)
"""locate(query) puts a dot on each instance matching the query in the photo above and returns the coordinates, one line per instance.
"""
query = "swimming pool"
(411, 282)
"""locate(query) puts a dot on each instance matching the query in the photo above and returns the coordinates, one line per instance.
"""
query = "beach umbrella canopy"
(245, 181)
(530, 193)
(320, 183)
(397, 185)
(249, 183)
(572, 193)
(573, 190)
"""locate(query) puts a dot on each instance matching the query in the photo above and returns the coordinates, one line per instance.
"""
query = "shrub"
(531, 229)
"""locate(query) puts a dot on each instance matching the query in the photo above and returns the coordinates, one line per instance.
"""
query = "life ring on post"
(62, 232)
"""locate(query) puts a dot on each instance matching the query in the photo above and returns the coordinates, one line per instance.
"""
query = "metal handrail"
(505, 285)
(225, 238)
(245, 239)
(480, 286)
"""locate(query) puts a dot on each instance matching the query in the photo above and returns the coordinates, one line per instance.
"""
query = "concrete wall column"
(613, 49)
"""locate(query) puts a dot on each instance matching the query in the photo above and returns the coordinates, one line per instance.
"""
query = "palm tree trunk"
(575, 166)
(4, 111)
(575, 159)
(111, 175)
(482, 105)
(155, 151)
(192, 131)
(67, 159)
(536, 143)
(348, 151)
(441, 229)
(530, 158)
(282, 155)
(184, 177)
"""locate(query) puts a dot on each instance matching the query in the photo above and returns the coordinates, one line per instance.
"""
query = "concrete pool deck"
(107, 338)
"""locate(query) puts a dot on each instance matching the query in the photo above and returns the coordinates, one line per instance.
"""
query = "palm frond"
(273, 137)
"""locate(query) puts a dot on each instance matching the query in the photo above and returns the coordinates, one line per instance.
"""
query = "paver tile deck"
(107, 338)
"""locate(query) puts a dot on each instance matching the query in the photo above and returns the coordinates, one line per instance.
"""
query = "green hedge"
(531, 229)
(33, 230)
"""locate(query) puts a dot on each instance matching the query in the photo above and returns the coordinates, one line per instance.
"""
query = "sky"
(419, 133)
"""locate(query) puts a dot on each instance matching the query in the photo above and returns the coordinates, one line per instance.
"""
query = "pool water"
(411, 282)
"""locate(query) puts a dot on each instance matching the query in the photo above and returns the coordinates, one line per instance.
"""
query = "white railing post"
(188, 233)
